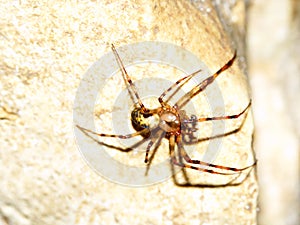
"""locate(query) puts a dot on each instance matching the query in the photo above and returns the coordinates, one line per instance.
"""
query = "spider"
(171, 122)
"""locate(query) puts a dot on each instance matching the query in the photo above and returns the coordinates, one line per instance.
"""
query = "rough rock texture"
(46, 47)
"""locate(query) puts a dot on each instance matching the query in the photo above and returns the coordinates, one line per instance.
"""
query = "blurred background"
(274, 73)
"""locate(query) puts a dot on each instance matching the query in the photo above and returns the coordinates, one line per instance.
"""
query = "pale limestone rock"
(45, 50)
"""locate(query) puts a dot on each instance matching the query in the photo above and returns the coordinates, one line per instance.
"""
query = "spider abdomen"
(141, 121)
(138, 121)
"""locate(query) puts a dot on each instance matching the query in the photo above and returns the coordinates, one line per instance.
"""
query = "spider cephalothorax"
(169, 120)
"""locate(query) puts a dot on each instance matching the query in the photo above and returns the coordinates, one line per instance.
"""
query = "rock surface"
(45, 50)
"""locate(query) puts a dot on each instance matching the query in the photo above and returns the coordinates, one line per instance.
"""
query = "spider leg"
(184, 173)
(174, 160)
(185, 79)
(216, 136)
(107, 145)
(158, 142)
(172, 149)
(202, 85)
(195, 140)
(154, 137)
(220, 117)
(198, 162)
(146, 130)
(128, 80)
